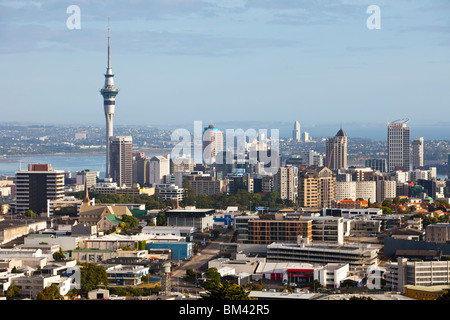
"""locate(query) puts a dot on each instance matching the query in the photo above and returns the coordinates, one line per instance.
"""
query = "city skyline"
(186, 58)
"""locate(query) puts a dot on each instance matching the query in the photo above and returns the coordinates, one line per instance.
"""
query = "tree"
(190, 274)
(92, 275)
(59, 255)
(227, 291)
(30, 213)
(161, 219)
(314, 285)
(213, 278)
(13, 292)
(49, 293)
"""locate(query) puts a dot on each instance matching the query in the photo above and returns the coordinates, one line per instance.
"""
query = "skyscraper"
(121, 157)
(336, 151)
(36, 186)
(296, 132)
(417, 152)
(213, 144)
(109, 92)
(398, 142)
(159, 169)
(286, 183)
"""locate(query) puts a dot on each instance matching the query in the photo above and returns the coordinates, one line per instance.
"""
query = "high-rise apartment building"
(141, 169)
(398, 141)
(121, 158)
(336, 151)
(296, 136)
(417, 153)
(386, 189)
(36, 186)
(316, 187)
(286, 183)
(159, 169)
(109, 92)
(213, 144)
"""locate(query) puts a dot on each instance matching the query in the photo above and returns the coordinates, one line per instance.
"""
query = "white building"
(366, 190)
(345, 190)
(420, 273)
(169, 191)
(159, 168)
(331, 275)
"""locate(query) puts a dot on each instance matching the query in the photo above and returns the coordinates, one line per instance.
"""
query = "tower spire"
(109, 46)
(109, 92)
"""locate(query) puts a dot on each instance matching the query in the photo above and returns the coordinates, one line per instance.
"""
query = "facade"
(123, 275)
(200, 219)
(141, 170)
(352, 213)
(109, 93)
(268, 231)
(121, 160)
(438, 232)
(169, 191)
(241, 227)
(286, 183)
(30, 286)
(205, 184)
(180, 250)
(418, 273)
(358, 256)
(331, 274)
(417, 153)
(386, 189)
(36, 186)
(366, 190)
(345, 190)
(327, 229)
(336, 151)
(398, 140)
(316, 188)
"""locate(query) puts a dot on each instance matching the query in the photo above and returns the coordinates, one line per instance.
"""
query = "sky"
(274, 61)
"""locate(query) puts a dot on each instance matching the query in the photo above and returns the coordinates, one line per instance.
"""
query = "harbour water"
(67, 162)
(70, 163)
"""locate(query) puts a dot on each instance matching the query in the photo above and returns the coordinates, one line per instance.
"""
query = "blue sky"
(177, 61)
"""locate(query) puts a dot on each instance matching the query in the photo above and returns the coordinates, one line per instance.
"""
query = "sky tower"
(109, 92)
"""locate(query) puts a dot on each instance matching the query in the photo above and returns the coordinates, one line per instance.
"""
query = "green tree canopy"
(92, 275)
(49, 293)
(226, 291)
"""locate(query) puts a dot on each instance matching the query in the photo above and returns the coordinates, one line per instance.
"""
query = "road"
(197, 262)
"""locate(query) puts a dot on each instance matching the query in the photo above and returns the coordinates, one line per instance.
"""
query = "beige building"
(316, 188)
(336, 151)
